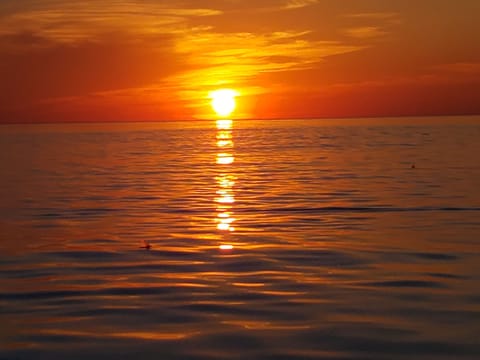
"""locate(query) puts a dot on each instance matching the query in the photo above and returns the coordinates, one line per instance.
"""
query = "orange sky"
(117, 60)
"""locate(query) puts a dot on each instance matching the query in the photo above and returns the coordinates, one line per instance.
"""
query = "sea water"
(301, 239)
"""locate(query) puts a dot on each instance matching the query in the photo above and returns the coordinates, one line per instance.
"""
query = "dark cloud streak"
(73, 70)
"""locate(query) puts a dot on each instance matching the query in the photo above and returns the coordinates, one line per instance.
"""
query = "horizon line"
(239, 119)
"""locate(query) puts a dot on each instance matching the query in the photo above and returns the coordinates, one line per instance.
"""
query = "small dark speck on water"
(146, 245)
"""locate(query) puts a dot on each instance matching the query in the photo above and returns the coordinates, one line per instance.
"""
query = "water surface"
(306, 239)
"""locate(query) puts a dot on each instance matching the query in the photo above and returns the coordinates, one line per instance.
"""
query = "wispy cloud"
(73, 22)
(297, 4)
(365, 32)
(391, 17)
(461, 68)
(222, 62)
(371, 25)
(217, 60)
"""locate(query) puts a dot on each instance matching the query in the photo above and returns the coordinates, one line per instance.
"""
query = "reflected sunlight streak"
(224, 124)
(225, 159)
(225, 180)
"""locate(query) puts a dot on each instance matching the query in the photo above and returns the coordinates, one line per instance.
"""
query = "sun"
(223, 101)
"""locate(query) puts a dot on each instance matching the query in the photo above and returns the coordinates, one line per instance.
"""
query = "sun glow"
(223, 101)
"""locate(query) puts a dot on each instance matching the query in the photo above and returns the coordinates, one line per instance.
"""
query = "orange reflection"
(225, 180)
(224, 143)
(224, 124)
(224, 135)
(225, 159)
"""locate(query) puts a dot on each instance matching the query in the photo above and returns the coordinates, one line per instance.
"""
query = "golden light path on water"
(225, 196)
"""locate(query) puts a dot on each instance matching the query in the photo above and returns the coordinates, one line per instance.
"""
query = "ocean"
(289, 239)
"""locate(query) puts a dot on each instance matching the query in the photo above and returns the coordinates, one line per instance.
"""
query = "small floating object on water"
(226, 247)
(413, 166)
(145, 245)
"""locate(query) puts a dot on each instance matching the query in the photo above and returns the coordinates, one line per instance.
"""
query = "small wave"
(405, 284)
(367, 209)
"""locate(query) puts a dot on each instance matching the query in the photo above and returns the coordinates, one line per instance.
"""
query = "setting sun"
(223, 101)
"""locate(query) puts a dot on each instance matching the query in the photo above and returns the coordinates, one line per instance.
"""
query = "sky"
(133, 60)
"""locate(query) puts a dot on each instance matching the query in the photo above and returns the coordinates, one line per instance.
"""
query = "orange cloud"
(236, 58)
(365, 32)
(74, 22)
(472, 68)
(297, 4)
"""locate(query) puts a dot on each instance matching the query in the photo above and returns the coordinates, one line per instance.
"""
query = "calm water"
(341, 248)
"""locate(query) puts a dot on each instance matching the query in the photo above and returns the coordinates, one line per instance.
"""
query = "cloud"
(461, 68)
(236, 59)
(21, 41)
(297, 4)
(371, 25)
(87, 68)
(217, 60)
(365, 32)
(74, 22)
(391, 17)
(269, 6)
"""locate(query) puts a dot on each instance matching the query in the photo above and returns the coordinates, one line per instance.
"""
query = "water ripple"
(255, 240)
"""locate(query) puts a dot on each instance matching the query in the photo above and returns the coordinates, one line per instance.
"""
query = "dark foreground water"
(269, 240)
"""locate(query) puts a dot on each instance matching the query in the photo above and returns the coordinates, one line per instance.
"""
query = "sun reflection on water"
(224, 124)
(225, 196)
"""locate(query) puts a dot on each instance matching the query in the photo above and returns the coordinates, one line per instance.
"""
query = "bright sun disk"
(223, 101)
